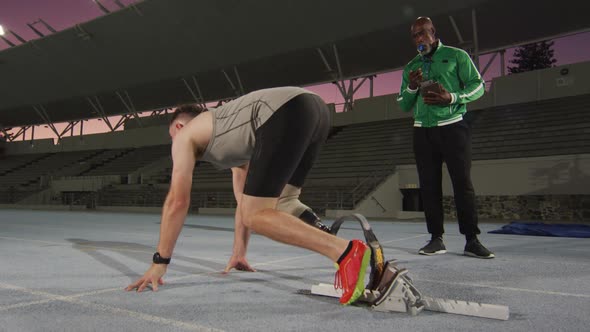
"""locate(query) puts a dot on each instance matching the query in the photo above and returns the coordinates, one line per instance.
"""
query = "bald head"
(422, 21)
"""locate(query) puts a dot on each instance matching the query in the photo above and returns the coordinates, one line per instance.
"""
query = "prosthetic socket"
(289, 203)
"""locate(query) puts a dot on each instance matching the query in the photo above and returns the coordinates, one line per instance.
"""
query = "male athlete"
(270, 139)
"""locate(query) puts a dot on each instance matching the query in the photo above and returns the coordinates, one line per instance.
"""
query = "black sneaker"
(434, 247)
(474, 248)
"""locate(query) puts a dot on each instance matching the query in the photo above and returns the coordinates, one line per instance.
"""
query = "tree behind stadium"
(532, 57)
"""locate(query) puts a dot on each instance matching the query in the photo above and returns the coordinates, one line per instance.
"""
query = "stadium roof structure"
(160, 53)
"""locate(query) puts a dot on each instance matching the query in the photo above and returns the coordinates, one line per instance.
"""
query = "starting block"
(396, 293)
(390, 289)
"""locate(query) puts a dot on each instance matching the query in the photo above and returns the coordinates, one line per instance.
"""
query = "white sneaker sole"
(470, 254)
(439, 252)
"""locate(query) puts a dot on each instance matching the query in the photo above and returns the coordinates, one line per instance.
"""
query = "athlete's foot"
(352, 266)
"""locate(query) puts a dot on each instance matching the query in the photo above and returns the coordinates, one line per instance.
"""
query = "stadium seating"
(355, 159)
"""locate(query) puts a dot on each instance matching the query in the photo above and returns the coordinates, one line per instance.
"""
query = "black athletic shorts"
(287, 145)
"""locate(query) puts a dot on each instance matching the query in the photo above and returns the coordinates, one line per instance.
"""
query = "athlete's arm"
(178, 199)
(174, 211)
(241, 232)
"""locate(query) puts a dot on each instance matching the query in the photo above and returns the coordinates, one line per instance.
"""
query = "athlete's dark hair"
(191, 110)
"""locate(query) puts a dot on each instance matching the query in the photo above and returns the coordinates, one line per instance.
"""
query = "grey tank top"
(235, 123)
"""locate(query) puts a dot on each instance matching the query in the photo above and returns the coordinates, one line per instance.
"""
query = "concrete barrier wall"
(543, 176)
(553, 175)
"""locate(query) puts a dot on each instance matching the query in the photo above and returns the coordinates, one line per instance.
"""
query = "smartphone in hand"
(430, 85)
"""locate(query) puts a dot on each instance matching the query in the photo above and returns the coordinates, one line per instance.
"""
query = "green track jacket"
(453, 68)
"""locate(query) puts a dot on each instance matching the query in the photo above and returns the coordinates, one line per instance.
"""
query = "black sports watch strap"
(157, 259)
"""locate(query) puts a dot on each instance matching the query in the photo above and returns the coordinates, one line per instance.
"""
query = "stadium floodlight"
(2, 33)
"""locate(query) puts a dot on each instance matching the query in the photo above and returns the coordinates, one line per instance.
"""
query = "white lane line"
(29, 291)
(72, 299)
(96, 292)
(285, 259)
(505, 288)
(51, 297)
(404, 238)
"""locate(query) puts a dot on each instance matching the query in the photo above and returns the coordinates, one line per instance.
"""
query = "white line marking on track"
(285, 260)
(73, 299)
(505, 288)
(404, 238)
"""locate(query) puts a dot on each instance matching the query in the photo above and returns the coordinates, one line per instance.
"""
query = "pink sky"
(61, 14)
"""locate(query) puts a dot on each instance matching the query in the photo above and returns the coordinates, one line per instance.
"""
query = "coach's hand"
(153, 275)
(239, 263)
(415, 78)
(434, 98)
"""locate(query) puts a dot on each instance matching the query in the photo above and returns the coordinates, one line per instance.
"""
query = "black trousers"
(450, 144)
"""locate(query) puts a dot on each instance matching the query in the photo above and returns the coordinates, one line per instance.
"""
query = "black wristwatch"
(157, 259)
